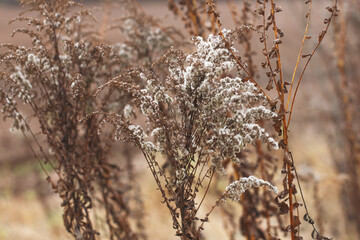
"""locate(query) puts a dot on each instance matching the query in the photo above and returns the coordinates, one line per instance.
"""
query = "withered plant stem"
(321, 38)
(266, 51)
(285, 129)
(300, 53)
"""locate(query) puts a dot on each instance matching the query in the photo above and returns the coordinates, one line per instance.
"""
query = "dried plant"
(56, 77)
(284, 102)
(258, 206)
(197, 118)
(144, 38)
(194, 15)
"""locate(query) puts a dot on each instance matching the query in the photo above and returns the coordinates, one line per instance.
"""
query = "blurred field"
(29, 210)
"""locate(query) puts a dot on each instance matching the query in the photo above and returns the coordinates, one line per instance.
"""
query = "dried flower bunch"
(144, 38)
(197, 118)
(235, 189)
(56, 78)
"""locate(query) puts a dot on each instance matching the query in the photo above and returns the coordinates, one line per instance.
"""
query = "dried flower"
(235, 189)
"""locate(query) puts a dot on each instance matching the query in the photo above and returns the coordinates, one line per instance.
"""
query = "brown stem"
(285, 129)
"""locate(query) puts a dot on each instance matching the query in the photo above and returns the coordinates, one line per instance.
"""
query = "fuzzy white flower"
(235, 189)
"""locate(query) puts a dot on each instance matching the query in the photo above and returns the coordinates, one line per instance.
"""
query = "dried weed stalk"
(55, 78)
(194, 15)
(284, 102)
(258, 206)
(196, 118)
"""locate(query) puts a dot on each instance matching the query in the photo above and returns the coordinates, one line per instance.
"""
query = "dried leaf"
(270, 85)
(283, 208)
(315, 234)
(282, 111)
(296, 221)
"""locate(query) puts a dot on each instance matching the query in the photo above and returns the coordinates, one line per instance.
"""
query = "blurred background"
(324, 136)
